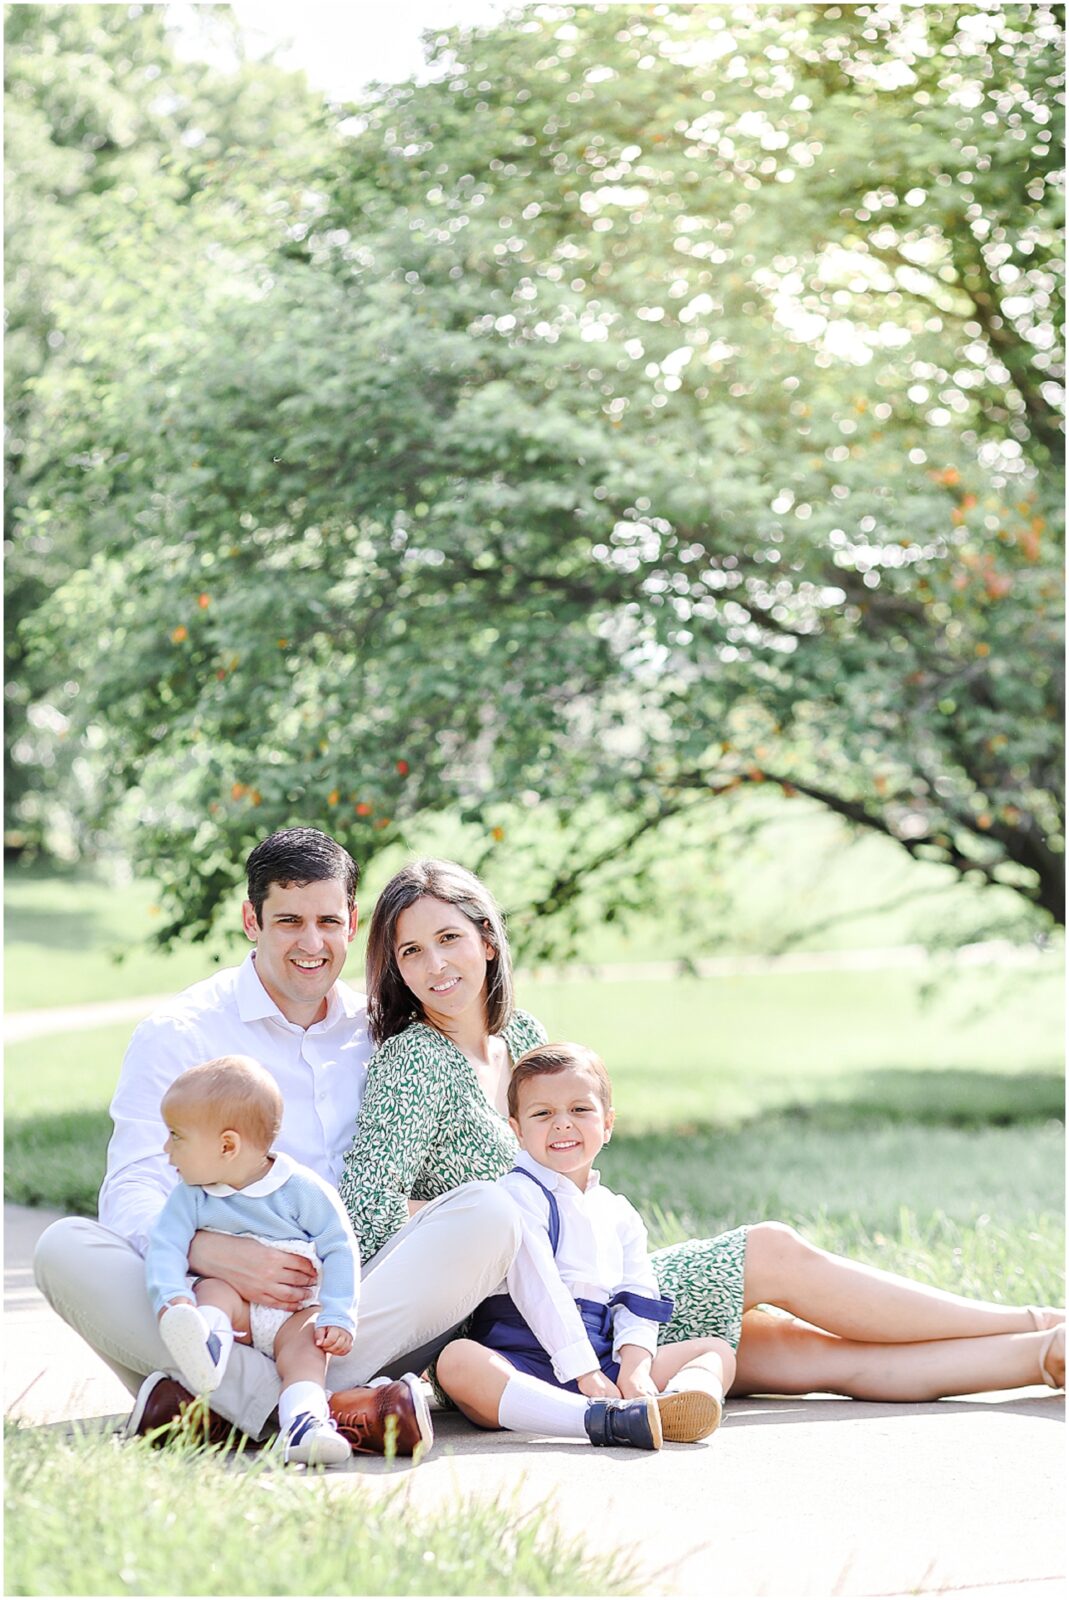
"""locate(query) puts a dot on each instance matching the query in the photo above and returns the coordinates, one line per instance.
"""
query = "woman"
(441, 1012)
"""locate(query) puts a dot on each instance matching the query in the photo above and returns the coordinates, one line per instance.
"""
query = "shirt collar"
(556, 1180)
(254, 1002)
(277, 1174)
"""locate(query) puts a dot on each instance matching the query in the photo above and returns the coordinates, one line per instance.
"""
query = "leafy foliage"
(656, 401)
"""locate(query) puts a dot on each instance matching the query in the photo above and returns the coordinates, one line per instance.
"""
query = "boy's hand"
(635, 1380)
(597, 1386)
(638, 1386)
(334, 1341)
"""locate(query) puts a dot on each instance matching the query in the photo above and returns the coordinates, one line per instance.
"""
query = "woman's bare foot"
(1044, 1317)
(1052, 1359)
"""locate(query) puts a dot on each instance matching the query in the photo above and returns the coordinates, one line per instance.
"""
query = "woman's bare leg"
(778, 1355)
(861, 1302)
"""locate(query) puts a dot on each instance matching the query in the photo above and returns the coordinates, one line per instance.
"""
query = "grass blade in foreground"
(88, 1516)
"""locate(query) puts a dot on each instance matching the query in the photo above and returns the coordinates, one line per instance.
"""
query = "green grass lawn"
(75, 937)
(803, 880)
(87, 1516)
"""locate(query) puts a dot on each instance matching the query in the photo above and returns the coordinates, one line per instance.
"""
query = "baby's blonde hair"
(231, 1092)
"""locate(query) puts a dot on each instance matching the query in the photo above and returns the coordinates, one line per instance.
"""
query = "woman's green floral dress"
(426, 1127)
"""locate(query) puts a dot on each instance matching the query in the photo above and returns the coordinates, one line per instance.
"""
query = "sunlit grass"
(88, 1516)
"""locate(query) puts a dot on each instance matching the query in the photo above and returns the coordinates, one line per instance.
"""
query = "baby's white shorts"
(265, 1321)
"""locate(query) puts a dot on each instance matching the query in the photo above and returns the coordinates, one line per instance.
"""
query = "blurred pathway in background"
(20, 1025)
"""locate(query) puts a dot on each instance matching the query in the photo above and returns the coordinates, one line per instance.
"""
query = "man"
(287, 1007)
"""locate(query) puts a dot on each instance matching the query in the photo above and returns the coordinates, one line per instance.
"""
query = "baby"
(222, 1119)
(568, 1345)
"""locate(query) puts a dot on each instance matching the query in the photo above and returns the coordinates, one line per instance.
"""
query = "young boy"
(568, 1345)
(222, 1119)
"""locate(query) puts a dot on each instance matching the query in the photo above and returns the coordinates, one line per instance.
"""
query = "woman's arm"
(401, 1115)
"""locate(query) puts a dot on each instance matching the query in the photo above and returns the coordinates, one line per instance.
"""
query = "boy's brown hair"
(236, 1092)
(546, 1060)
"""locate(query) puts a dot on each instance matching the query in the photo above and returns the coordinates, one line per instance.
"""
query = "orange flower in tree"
(333, 797)
(497, 833)
(383, 822)
(204, 601)
(403, 769)
(255, 797)
(237, 790)
(363, 809)
(179, 634)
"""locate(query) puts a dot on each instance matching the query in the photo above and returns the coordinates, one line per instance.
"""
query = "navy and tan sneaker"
(313, 1442)
(635, 1424)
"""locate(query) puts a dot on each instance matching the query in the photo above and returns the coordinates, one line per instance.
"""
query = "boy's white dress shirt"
(320, 1071)
(602, 1250)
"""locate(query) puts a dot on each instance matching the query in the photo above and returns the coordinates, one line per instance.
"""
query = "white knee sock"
(530, 1406)
(302, 1396)
(689, 1379)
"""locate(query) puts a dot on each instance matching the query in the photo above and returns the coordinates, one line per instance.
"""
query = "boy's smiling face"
(561, 1121)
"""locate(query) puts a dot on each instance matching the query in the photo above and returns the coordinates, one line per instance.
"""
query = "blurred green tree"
(135, 181)
(661, 400)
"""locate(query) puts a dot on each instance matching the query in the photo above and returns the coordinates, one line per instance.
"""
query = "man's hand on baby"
(334, 1341)
(258, 1272)
(596, 1386)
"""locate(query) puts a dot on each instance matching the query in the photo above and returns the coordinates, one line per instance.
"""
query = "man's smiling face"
(301, 944)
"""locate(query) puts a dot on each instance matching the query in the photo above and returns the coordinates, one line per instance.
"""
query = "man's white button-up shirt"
(320, 1071)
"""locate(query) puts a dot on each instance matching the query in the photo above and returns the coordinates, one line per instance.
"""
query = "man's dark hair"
(298, 856)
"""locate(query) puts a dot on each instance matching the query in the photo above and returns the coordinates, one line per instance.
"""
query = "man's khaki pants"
(451, 1255)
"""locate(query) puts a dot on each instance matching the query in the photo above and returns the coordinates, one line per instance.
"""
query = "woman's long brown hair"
(391, 1005)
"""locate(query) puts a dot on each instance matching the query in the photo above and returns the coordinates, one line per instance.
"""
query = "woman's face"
(442, 958)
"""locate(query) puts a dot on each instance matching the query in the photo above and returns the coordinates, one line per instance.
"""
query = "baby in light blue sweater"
(222, 1119)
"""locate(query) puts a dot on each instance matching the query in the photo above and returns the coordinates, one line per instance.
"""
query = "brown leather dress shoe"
(367, 1417)
(162, 1409)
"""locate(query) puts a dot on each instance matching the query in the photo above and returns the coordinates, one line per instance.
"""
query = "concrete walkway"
(962, 1496)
